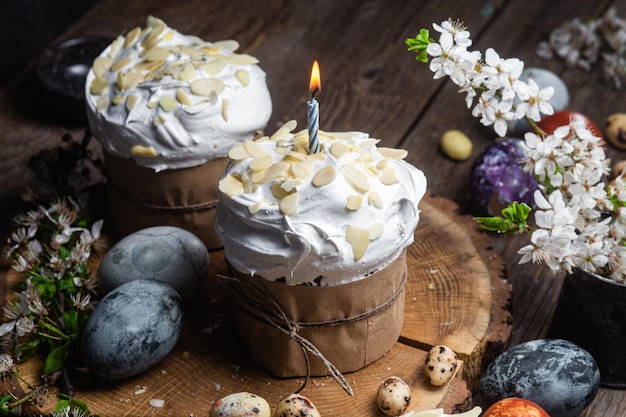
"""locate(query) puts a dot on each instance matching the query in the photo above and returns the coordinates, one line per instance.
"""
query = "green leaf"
(419, 44)
(70, 318)
(56, 359)
(492, 224)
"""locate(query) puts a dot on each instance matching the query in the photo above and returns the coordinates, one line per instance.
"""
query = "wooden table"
(370, 83)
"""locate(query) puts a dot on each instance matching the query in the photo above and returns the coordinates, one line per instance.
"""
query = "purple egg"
(498, 178)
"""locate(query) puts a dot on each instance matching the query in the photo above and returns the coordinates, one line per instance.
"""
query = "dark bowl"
(62, 69)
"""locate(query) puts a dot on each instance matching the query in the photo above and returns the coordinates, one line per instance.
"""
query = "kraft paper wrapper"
(139, 197)
(349, 347)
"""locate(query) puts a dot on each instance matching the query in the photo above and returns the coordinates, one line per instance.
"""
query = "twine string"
(258, 303)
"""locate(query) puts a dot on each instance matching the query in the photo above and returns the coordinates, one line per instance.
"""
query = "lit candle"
(313, 114)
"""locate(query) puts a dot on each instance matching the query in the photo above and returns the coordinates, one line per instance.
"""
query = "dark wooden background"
(370, 83)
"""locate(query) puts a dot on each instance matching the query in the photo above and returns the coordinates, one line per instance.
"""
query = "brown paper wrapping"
(139, 197)
(349, 347)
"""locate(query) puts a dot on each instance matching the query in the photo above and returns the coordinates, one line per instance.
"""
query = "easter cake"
(166, 108)
(323, 237)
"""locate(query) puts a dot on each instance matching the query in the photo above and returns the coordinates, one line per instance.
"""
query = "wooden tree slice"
(455, 295)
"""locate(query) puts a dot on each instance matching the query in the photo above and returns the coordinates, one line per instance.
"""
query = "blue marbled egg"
(132, 328)
(169, 254)
(558, 375)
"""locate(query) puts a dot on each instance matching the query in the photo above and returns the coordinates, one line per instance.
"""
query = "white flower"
(458, 31)
(6, 363)
(534, 100)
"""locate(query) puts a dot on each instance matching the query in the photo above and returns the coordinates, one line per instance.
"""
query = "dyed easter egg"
(498, 177)
(169, 254)
(132, 328)
(558, 375)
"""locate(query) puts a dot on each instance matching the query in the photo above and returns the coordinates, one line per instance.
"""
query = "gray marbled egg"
(132, 328)
(164, 253)
(556, 374)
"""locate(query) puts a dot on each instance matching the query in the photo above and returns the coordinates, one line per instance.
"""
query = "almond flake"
(383, 163)
(388, 176)
(98, 86)
(152, 104)
(131, 101)
(139, 150)
(354, 202)
(282, 132)
(188, 73)
(153, 37)
(118, 65)
(228, 44)
(225, 109)
(261, 163)
(231, 186)
(276, 170)
(242, 59)
(338, 149)
(253, 148)
(102, 103)
(374, 199)
(116, 45)
(214, 67)
(156, 54)
(281, 150)
(130, 79)
(289, 205)
(183, 98)
(393, 153)
(324, 176)
(255, 207)
(238, 152)
(119, 99)
(204, 86)
(158, 121)
(291, 184)
(153, 21)
(278, 191)
(355, 177)
(376, 231)
(132, 37)
(101, 65)
(243, 77)
(300, 170)
(359, 240)
(168, 103)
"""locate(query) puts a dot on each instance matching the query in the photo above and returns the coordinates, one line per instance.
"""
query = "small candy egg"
(456, 145)
(296, 405)
(394, 396)
(615, 130)
(165, 253)
(440, 364)
(240, 404)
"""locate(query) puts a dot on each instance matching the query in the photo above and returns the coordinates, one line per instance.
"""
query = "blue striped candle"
(313, 118)
(313, 113)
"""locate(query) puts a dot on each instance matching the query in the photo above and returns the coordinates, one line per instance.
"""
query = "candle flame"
(315, 86)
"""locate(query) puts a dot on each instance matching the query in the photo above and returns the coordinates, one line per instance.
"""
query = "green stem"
(536, 128)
